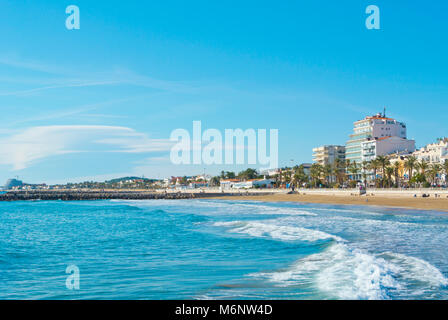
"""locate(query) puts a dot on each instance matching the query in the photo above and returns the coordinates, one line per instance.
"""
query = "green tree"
(327, 171)
(353, 169)
(287, 176)
(433, 172)
(339, 169)
(389, 173)
(445, 170)
(418, 178)
(397, 167)
(383, 162)
(230, 175)
(423, 166)
(248, 174)
(374, 165)
(300, 177)
(364, 170)
(316, 172)
(215, 181)
(410, 164)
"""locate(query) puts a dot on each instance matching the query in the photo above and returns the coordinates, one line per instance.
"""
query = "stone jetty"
(113, 195)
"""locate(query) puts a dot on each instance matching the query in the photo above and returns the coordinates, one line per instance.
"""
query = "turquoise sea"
(216, 249)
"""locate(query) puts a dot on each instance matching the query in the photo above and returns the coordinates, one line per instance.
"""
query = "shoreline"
(403, 201)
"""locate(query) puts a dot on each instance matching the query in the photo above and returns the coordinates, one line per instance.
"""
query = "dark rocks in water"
(108, 195)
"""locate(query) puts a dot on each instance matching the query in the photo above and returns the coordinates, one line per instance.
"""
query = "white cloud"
(75, 78)
(62, 85)
(22, 149)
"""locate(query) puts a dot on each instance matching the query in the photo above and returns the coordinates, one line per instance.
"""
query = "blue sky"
(101, 101)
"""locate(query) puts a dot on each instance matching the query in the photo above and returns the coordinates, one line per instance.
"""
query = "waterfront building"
(373, 148)
(228, 183)
(328, 154)
(433, 153)
(249, 184)
(254, 183)
(198, 184)
(370, 129)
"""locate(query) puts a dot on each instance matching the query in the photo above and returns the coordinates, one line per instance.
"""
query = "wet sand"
(404, 201)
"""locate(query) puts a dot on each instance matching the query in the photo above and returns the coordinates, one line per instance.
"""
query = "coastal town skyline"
(134, 73)
(381, 143)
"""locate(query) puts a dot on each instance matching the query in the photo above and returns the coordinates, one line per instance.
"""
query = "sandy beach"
(404, 201)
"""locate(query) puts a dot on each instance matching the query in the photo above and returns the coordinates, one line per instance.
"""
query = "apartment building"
(434, 152)
(328, 154)
(375, 128)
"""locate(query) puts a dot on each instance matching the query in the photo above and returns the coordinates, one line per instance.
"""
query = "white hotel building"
(433, 153)
(388, 145)
(375, 136)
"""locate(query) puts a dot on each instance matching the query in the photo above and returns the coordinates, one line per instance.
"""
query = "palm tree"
(389, 172)
(423, 166)
(286, 176)
(383, 161)
(339, 169)
(433, 172)
(299, 176)
(215, 181)
(364, 168)
(397, 168)
(347, 170)
(315, 172)
(410, 165)
(445, 170)
(328, 173)
(353, 169)
(374, 166)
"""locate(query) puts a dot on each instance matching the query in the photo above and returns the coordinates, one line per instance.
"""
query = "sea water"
(216, 249)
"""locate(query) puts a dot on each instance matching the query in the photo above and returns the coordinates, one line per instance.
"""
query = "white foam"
(339, 273)
(415, 269)
(264, 209)
(284, 233)
(344, 273)
(359, 211)
(219, 207)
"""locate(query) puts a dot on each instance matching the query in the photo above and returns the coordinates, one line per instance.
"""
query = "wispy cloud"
(79, 111)
(17, 62)
(23, 149)
(60, 86)
(75, 78)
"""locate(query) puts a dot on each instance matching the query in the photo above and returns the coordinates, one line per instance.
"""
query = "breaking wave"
(219, 207)
(343, 273)
(278, 232)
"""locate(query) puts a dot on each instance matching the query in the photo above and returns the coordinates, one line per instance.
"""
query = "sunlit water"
(212, 249)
